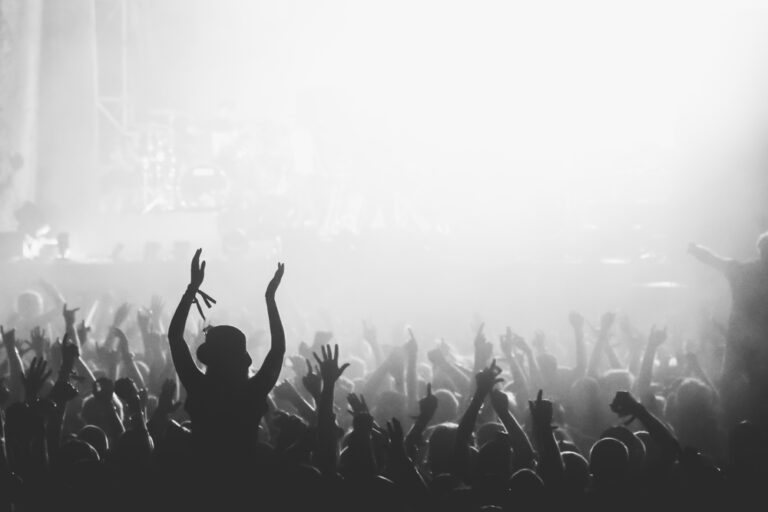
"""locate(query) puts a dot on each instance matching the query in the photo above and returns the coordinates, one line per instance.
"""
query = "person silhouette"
(225, 404)
(746, 352)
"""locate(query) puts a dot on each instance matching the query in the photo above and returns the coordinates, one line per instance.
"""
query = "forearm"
(659, 433)
(461, 448)
(132, 371)
(535, 374)
(521, 445)
(635, 361)
(644, 378)
(552, 469)
(594, 360)
(375, 381)
(84, 371)
(709, 258)
(613, 359)
(326, 449)
(16, 382)
(362, 455)
(459, 379)
(414, 440)
(581, 354)
(54, 427)
(274, 360)
(182, 358)
(411, 381)
(522, 392)
(305, 410)
(467, 423)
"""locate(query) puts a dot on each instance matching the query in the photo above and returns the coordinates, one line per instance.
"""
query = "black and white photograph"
(383, 255)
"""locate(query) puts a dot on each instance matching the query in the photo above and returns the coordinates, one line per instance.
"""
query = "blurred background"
(412, 161)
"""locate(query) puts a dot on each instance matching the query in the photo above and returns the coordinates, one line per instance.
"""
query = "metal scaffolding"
(113, 99)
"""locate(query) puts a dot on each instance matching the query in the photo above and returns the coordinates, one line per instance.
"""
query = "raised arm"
(645, 377)
(182, 358)
(16, 383)
(273, 363)
(485, 381)
(624, 404)
(577, 322)
(330, 371)
(551, 468)
(601, 344)
(709, 258)
(521, 445)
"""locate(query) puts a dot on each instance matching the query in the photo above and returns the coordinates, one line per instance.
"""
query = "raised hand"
(624, 404)
(70, 352)
(483, 349)
(166, 403)
(35, 378)
(427, 405)
(606, 321)
(576, 320)
(275, 282)
(126, 390)
(122, 342)
(82, 331)
(541, 411)
(9, 338)
(488, 378)
(361, 416)
(156, 306)
(69, 316)
(411, 346)
(197, 271)
(143, 319)
(519, 342)
(369, 332)
(103, 389)
(312, 381)
(357, 404)
(499, 401)
(505, 343)
(38, 341)
(329, 365)
(62, 392)
(657, 337)
(121, 313)
(436, 357)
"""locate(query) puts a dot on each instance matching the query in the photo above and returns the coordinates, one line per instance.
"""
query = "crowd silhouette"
(89, 424)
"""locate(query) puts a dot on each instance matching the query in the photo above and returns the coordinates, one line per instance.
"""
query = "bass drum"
(202, 187)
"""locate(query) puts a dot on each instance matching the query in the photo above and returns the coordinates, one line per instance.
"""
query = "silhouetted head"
(525, 491)
(547, 366)
(634, 445)
(608, 460)
(440, 448)
(447, 406)
(29, 304)
(489, 432)
(95, 437)
(223, 351)
(74, 451)
(576, 472)
(495, 459)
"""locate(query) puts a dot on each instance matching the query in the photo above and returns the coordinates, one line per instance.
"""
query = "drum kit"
(187, 165)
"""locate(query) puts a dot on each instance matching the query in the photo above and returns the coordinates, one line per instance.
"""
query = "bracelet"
(207, 299)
